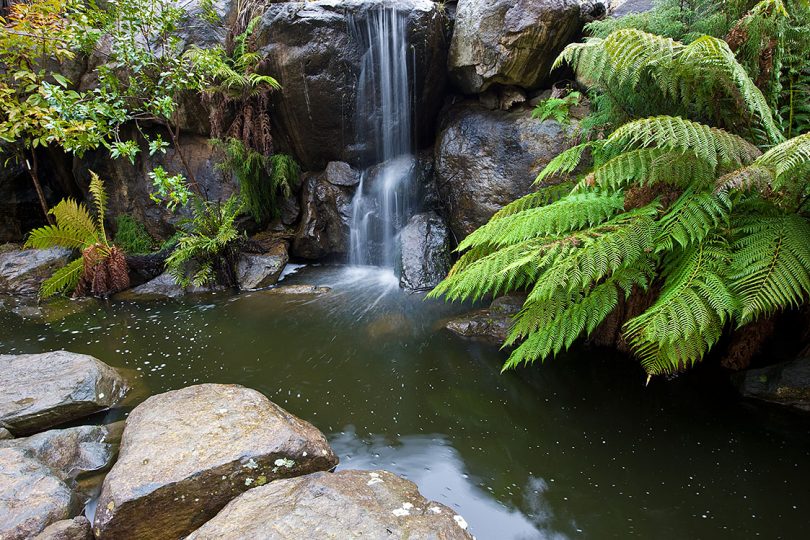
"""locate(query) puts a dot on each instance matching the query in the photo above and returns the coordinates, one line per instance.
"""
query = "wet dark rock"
(258, 270)
(77, 528)
(340, 173)
(31, 496)
(425, 246)
(162, 287)
(311, 51)
(369, 504)
(786, 384)
(299, 290)
(325, 219)
(509, 42)
(487, 159)
(129, 186)
(23, 271)
(70, 452)
(38, 391)
(490, 325)
(187, 453)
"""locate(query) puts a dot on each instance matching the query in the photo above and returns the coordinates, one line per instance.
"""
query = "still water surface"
(576, 448)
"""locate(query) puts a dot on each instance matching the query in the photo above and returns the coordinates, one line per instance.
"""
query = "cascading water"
(382, 203)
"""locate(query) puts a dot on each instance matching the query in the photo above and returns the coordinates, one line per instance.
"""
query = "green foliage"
(207, 241)
(693, 213)
(262, 179)
(557, 108)
(131, 236)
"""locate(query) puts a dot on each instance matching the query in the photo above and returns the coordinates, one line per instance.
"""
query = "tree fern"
(63, 280)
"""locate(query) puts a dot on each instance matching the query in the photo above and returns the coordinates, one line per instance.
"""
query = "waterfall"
(382, 203)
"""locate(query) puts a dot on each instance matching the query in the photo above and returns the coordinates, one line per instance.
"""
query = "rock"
(509, 42)
(367, 504)
(313, 50)
(187, 453)
(487, 159)
(5, 434)
(255, 271)
(490, 325)
(787, 383)
(299, 290)
(326, 216)
(339, 173)
(425, 256)
(77, 528)
(510, 96)
(620, 8)
(23, 271)
(70, 452)
(162, 287)
(38, 391)
(31, 496)
(129, 186)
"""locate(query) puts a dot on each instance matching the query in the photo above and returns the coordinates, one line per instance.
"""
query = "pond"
(575, 448)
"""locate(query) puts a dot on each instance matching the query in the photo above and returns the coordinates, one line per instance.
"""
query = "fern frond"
(688, 317)
(569, 214)
(99, 195)
(564, 163)
(56, 236)
(692, 218)
(771, 267)
(64, 279)
(543, 196)
(74, 216)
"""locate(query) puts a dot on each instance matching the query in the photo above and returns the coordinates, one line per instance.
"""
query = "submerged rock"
(31, 496)
(187, 453)
(258, 270)
(509, 42)
(425, 243)
(38, 391)
(299, 290)
(490, 325)
(77, 528)
(163, 286)
(23, 271)
(486, 159)
(311, 49)
(786, 384)
(361, 504)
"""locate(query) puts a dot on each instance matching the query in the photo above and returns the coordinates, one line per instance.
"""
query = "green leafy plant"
(102, 268)
(207, 244)
(695, 214)
(132, 236)
(557, 108)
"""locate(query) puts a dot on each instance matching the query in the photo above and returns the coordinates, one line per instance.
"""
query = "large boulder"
(326, 213)
(185, 454)
(160, 288)
(314, 49)
(360, 504)
(258, 270)
(620, 8)
(31, 496)
(38, 391)
(425, 248)
(486, 159)
(509, 42)
(77, 528)
(786, 384)
(23, 271)
(70, 452)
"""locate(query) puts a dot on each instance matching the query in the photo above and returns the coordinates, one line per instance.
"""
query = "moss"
(131, 236)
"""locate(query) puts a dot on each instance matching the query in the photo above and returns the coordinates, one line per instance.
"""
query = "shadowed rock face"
(487, 159)
(31, 496)
(185, 454)
(509, 42)
(38, 391)
(326, 211)
(360, 504)
(786, 384)
(310, 50)
(425, 252)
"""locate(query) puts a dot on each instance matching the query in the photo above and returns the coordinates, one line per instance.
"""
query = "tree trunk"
(33, 171)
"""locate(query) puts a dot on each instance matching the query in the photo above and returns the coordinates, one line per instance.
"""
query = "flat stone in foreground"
(185, 454)
(346, 504)
(38, 391)
(77, 528)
